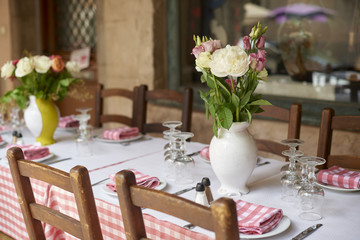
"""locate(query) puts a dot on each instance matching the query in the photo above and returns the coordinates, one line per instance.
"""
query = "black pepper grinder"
(206, 182)
(14, 137)
(200, 196)
(20, 140)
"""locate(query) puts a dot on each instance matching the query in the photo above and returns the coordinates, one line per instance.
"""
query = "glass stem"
(311, 175)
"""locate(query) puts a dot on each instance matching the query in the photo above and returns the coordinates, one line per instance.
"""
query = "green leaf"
(225, 116)
(215, 129)
(245, 100)
(260, 102)
(235, 100)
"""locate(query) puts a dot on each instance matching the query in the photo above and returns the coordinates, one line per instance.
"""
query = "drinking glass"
(172, 125)
(17, 122)
(311, 196)
(288, 181)
(84, 138)
(184, 165)
(292, 144)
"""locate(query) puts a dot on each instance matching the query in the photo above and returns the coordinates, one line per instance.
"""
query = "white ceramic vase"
(233, 156)
(32, 117)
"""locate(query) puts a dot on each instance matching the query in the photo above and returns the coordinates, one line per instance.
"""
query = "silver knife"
(306, 232)
(183, 191)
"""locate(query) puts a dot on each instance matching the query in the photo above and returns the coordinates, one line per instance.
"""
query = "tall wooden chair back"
(118, 118)
(69, 105)
(292, 116)
(221, 218)
(76, 182)
(185, 100)
(330, 122)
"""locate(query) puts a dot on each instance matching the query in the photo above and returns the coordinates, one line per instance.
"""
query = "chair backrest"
(76, 182)
(330, 122)
(118, 118)
(185, 99)
(221, 218)
(292, 116)
(69, 105)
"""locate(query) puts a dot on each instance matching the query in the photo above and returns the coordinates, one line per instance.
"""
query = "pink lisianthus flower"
(258, 60)
(260, 44)
(208, 46)
(228, 81)
(197, 50)
(246, 41)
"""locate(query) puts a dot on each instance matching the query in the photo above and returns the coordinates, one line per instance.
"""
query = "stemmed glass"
(172, 125)
(288, 181)
(184, 164)
(16, 121)
(292, 144)
(311, 196)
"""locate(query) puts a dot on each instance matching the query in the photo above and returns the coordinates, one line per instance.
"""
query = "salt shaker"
(200, 196)
(206, 182)
(20, 140)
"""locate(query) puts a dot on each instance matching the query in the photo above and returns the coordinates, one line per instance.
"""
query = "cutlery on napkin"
(68, 122)
(120, 133)
(339, 177)
(32, 152)
(141, 179)
(257, 219)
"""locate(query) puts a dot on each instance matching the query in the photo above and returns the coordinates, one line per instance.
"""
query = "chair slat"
(221, 218)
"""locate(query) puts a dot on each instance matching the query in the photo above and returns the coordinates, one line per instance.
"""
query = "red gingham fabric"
(340, 177)
(120, 133)
(141, 179)
(204, 153)
(12, 223)
(32, 152)
(68, 121)
(257, 219)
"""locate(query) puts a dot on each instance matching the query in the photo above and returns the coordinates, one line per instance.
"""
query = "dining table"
(341, 209)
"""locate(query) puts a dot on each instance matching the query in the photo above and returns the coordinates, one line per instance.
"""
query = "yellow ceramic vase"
(50, 118)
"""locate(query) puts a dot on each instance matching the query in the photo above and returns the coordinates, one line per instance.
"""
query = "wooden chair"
(185, 99)
(77, 182)
(220, 218)
(330, 122)
(69, 105)
(119, 118)
(292, 116)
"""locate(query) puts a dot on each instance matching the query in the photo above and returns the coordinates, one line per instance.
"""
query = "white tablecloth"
(341, 210)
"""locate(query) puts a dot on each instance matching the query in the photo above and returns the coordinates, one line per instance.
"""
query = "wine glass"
(290, 178)
(184, 165)
(292, 144)
(172, 125)
(311, 196)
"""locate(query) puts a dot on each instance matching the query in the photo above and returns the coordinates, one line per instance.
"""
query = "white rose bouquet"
(41, 76)
(232, 75)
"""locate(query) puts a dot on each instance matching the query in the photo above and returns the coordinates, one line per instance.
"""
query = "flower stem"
(216, 89)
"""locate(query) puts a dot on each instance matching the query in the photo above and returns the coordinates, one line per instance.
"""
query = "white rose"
(24, 67)
(72, 67)
(42, 64)
(229, 61)
(203, 60)
(7, 70)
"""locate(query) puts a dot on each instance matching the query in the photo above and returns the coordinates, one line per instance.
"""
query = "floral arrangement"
(232, 75)
(42, 76)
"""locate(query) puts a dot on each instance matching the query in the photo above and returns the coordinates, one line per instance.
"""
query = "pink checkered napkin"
(32, 152)
(68, 122)
(204, 153)
(4, 128)
(340, 177)
(257, 219)
(120, 133)
(141, 179)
